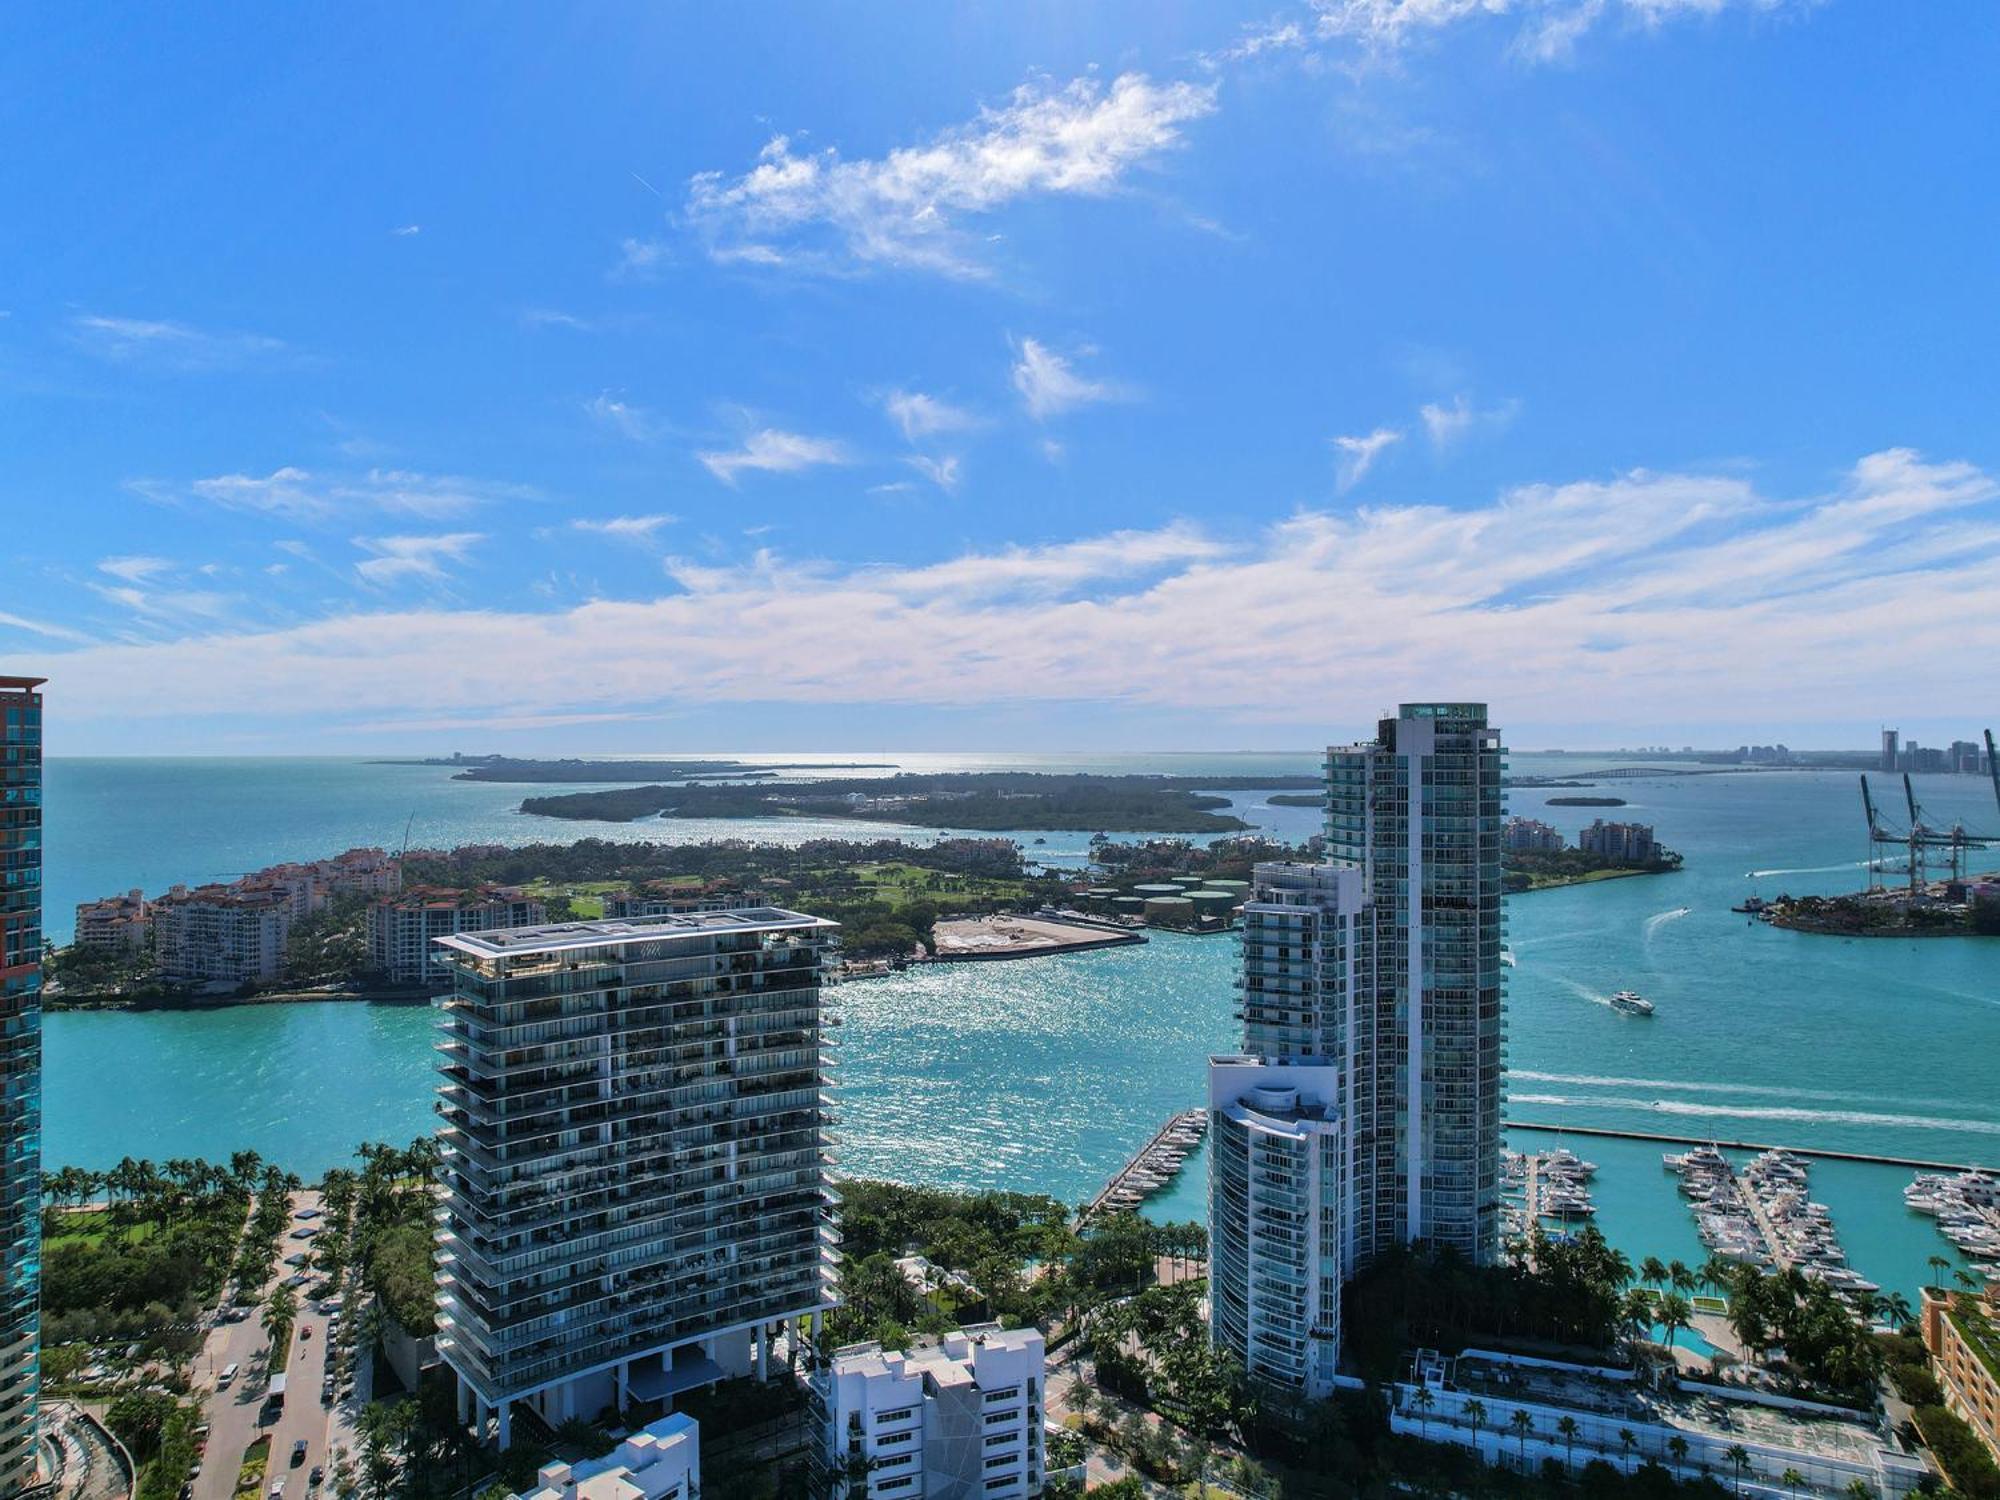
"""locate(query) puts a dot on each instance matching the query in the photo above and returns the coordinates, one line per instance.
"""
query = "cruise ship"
(1631, 1003)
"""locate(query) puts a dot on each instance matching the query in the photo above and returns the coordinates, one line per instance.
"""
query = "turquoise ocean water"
(1045, 1073)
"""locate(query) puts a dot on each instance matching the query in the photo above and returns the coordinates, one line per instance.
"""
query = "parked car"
(318, 1474)
(277, 1490)
(298, 1452)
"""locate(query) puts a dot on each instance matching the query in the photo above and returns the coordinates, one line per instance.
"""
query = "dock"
(1709, 1140)
(1151, 1167)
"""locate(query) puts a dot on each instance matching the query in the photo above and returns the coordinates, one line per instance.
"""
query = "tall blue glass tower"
(20, 1075)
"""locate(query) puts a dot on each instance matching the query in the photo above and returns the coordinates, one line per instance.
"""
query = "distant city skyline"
(1001, 378)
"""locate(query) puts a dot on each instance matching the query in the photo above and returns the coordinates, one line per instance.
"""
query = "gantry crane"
(1918, 840)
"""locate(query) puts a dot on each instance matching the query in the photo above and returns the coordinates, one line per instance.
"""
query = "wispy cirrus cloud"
(1358, 454)
(134, 569)
(820, 210)
(1542, 30)
(170, 345)
(1448, 424)
(291, 493)
(942, 471)
(399, 558)
(920, 416)
(1050, 385)
(624, 528)
(622, 417)
(48, 628)
(772, 451)
(1634, 592)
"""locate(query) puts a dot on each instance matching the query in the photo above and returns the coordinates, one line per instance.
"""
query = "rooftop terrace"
(611, 932)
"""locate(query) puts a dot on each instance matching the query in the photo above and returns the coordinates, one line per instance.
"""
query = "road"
(234, 1413)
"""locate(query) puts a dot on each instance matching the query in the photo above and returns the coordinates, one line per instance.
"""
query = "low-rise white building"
(956, 1418)
(659, 1462)
(1520, 1412)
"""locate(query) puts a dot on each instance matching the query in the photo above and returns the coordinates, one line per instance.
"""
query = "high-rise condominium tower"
(1364, 1111)
(634, 1157)
(20, 1074)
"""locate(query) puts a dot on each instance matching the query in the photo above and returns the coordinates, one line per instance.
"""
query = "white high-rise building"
(956, 1418)
(1364, 1110)
(634, 1142)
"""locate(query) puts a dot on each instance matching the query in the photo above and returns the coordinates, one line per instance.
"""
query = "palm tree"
(1424, 1401)
(1716, 1275)
(1676, 1312)
(1678, 1446)
(1739, 1456)
(1939, 1265)
(1860, 1489)
(1896, 1308)
(1627, 1441)
(1523, 1424)
(1568, 1428)
(1683, 1280)
(1635, 1314)
(1966, 1280)
(1792, 1479)
(1475, 1411)
(1652, 1271)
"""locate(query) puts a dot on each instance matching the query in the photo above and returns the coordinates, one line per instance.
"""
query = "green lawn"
(92, 1228)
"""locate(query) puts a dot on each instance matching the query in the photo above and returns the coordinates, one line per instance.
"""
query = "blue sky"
(1011, 376)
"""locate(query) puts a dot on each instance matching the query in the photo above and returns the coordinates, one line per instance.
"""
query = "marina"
(1966, 1206)
(1152, 1167)
(1763, 1215)
(1544, 1189)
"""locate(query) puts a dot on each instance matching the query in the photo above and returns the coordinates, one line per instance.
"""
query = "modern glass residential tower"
(20, 1074)
(634, 1149)
(1419, 812)
(1364, 1110)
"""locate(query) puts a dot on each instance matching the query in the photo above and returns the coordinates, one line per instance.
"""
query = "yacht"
(1632, 1003)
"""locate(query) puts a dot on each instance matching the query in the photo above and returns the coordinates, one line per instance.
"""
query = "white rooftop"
(609, 932)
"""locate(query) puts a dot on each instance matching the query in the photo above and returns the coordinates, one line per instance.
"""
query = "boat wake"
(1656, 922)
(1687, 1086)
(1767, 1112)
(1583, 992)
(1852, 864)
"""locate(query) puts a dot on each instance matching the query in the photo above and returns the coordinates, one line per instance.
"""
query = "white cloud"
(904, 209)
(165, 604)
(401, 557)
(1634, 594)
(621, 417)
(1049, 385)
(639, 259)
(942, 472)
(550, 317)
(1549, 30)
(921, 416)
(1358, 454)
(174, 345)
(134, 569)
(41, 627)
(625, 528)
(294, 494)
(406, 230)
(772, 452)
(1447, 426)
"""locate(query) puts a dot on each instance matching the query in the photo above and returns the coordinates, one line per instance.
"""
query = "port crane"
(1920, 845)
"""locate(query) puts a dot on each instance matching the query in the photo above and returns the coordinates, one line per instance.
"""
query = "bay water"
(1044, 1074)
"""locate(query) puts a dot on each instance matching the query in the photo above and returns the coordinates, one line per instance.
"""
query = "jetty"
(1544, 1185)
(1151, 1167)
(1764, 1215)
(1696, 1140)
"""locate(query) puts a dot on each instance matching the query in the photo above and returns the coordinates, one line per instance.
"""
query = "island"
(983, 800)
(1298, 799)
(507, 768)
(1528, 870)
(1969, 911)
(1585, 802)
